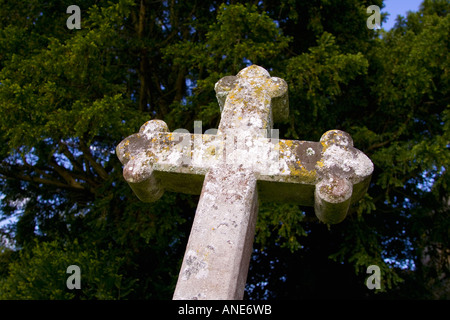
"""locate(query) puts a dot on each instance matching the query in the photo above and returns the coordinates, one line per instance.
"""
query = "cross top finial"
(251, 101)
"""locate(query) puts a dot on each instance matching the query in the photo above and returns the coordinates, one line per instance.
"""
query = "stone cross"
(233, 168)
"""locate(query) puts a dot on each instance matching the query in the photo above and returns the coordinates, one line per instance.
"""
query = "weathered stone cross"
(232, 169)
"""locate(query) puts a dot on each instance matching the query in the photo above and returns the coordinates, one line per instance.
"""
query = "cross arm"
(156, 160)
(330, 174)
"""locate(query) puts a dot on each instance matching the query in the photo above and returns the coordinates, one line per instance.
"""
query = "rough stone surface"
(220, 245)
(242, 162)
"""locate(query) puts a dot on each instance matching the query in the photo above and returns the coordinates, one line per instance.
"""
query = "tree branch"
(65, 174)
(13, 174)
(75, 163)
(143, 60)
(394, 137)
(97, 167)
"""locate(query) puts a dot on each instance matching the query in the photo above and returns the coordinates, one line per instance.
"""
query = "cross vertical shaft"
(220, 244)
(218, 252)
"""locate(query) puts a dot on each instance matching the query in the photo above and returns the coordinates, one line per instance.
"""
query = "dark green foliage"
(68, 97)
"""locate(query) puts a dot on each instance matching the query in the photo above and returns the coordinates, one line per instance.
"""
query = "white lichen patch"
(359, 163)
(152, 127)
(195, 267)
(138, 168)
(310, 152)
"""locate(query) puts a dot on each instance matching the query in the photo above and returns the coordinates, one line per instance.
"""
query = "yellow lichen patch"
(325, 145)
(285, 145)
(235, 99)
(320, 163)
(288, 143)
(266, 124)
(211, 150)
(151, 157)
(306, 176)
(170, 137)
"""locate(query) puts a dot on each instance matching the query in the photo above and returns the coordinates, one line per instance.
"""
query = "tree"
(68, 97)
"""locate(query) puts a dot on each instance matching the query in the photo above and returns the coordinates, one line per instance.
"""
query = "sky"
(398, 7)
